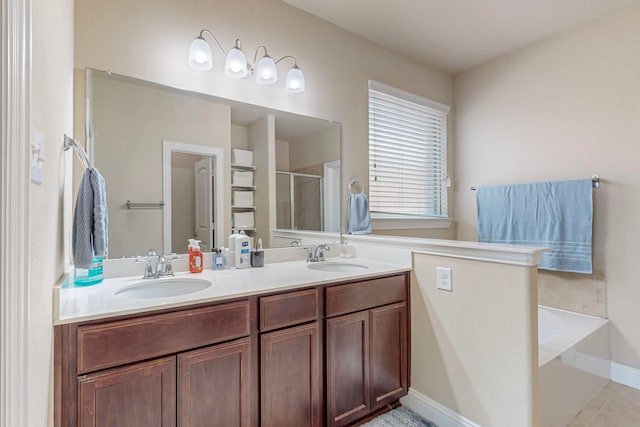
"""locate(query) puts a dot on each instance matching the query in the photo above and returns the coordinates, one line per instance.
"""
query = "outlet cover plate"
(443, 279)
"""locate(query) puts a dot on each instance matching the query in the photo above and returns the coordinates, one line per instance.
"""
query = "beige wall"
(130, 122)
(150, 39)
(565, 108)
(262, 143)
(315, 148)
(474, 350)
(239, 137)
(50, 203)
(282, 156)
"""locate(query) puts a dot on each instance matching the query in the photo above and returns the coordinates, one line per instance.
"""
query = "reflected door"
(204, 197)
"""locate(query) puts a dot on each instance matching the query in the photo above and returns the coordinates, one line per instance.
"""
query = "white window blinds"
(407, 153)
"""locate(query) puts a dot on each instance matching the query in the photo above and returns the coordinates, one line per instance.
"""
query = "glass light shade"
(200, 55)
(236, 64)
(266, 73)
(295, 81)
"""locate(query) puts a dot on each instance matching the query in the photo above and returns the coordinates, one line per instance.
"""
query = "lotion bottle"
(195, 257)
(242, 250)
(232, 240)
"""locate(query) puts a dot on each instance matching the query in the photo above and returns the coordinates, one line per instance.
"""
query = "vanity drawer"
(292, 308)
(125, 341)
(358, 296)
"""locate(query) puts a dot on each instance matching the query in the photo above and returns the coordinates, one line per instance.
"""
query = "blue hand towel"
(358, 216)
(90, 220)
(558, 215)
(100, 216)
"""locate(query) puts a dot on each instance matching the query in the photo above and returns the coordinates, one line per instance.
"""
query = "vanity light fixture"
(236, 65)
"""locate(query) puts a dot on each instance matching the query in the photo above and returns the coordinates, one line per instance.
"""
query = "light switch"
(37, 156)
(443, 278)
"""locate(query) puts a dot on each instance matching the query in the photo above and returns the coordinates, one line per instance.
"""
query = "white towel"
(90, 220)
(242, 199)
(243, 219)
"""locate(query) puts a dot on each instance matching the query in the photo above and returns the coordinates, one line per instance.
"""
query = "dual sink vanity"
(289, 344)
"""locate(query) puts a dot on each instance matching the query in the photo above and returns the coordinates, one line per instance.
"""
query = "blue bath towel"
(90, 220)
(558, 215)
(359, 217)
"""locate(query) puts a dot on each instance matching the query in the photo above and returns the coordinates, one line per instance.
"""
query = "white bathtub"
(574, 363)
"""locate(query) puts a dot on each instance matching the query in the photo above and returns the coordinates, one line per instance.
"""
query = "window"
(407, 154)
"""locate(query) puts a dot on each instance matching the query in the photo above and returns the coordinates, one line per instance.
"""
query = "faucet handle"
(148, 269)
(168, 266)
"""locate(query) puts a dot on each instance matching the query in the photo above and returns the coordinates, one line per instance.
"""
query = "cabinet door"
(143, 394)
(214, 388)
(291, 383)
(348, 393)
(389, 354)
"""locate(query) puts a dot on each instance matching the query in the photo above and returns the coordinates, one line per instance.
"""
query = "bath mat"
(399, 417)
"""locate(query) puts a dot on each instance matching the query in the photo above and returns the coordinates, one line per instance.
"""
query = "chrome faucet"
(317, 254)
(163, 268)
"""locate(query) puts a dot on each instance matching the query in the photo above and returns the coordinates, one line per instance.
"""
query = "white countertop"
(74, 304)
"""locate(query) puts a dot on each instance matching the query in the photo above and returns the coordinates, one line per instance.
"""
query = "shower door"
(299, 201)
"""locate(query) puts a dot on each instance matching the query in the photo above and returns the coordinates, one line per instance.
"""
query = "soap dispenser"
(195, 256)
(218, 259)
(227, 258)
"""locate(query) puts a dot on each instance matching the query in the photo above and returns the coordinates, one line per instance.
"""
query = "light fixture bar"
(236, 66)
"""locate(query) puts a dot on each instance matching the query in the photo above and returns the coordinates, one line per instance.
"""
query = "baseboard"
(625, 375)
(434, 411)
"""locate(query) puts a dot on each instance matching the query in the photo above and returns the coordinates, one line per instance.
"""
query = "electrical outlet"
(443, 279)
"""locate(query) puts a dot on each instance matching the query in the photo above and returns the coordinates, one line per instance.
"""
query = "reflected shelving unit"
(240, 208)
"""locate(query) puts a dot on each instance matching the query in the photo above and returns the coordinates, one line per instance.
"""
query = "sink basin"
(163, 288)
(337, 267)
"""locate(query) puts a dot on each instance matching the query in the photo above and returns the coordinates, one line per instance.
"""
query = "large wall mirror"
(181, 165)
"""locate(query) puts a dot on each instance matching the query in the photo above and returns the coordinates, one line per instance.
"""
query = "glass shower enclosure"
(299, 201)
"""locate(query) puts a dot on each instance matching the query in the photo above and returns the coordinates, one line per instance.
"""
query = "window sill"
(385, 222)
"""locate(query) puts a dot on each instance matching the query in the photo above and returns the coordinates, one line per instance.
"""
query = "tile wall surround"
(581, 293)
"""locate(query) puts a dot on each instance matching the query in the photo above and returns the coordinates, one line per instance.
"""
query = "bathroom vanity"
(331, 350)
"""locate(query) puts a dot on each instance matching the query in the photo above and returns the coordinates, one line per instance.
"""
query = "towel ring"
(355, 187)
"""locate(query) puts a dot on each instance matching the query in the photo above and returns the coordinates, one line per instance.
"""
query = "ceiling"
(456, 35)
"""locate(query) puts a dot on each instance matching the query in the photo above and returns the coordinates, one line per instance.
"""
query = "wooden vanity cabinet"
(192, 367)
(367, 347)
(139, 394)
(291, 359)
(214, 386)
(326, 355)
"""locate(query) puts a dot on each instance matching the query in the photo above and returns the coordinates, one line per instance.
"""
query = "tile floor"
(615, 406)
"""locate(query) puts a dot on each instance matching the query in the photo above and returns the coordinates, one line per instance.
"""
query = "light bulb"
(200, 55)
(266, 73)
(235, 65)
(295, 81)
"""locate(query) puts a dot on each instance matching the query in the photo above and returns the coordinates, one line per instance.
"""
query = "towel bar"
(595, 180)
(132, 205)
(70, 143)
